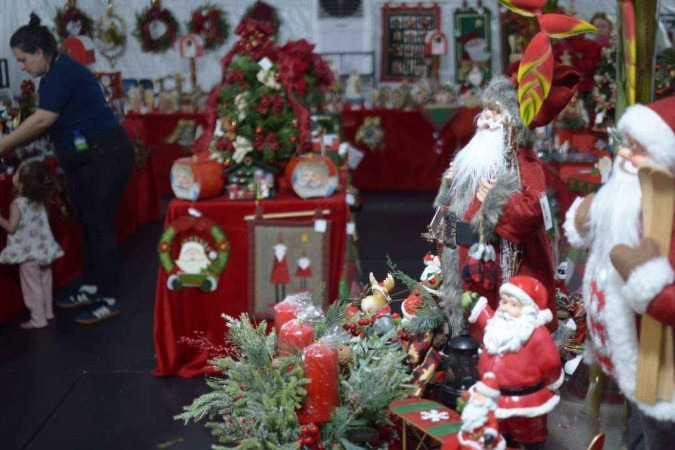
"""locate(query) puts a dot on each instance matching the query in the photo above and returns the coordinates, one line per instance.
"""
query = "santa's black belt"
(458, 232)
(523, 391)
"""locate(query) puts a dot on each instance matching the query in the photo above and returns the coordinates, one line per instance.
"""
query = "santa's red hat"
(488, 386)
(652, 127)
(529, 292)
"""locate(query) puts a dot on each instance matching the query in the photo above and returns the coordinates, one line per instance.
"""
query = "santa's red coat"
(536, 363)
(474, 440)
(521, 222)
(280, 272)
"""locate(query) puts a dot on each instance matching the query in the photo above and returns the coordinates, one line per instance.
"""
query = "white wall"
(300, 20)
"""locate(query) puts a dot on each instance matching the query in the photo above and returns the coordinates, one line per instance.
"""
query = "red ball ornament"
(293, 139)
(258, 129)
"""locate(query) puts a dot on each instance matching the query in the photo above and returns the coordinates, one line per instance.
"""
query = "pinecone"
(354, 400)
(344, 355)
(439, 341)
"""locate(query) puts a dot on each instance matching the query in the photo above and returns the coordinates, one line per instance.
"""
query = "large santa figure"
(480, 428)
(492, 196)
(519, 350)
(625, 275)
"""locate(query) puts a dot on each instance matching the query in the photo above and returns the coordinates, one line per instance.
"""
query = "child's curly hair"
(35, 181)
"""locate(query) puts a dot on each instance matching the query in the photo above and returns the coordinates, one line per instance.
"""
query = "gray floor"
(73, 387)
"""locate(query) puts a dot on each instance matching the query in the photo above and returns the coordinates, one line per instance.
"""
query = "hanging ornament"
(156, 28)
(210, 22)
(370, 133)
(111, 35)
(201, 256)
(71, 21)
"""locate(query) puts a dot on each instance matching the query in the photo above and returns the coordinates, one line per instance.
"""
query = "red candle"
(285, 311)
(294, 335)
(321, 367)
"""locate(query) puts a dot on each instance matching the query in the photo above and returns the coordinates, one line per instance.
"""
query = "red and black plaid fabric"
(482, 274)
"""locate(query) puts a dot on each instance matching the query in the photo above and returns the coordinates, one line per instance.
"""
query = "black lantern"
(461, 366)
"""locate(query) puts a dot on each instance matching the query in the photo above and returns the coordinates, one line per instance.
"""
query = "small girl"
(30, 242)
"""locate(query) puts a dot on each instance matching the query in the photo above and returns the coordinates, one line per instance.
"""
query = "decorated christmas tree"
(263, 104)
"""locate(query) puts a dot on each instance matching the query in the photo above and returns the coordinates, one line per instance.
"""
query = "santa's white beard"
(474, 415)
(482, 158)
(615, 211)
(192, 266)
(506, 334)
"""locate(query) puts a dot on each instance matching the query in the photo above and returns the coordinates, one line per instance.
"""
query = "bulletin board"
(404, 29)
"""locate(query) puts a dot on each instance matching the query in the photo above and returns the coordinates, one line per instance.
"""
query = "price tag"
(351, 228)
(546, 212)
(265, 63)
(350, 199)
(320, 225)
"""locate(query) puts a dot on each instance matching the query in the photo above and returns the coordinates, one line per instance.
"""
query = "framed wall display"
(286, 257)
(404, 31)
(516, 31)
(473, 42)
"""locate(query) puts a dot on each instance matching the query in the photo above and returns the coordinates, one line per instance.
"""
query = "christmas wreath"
(210, 23)
(156, 28)
(72, 21)
(204, 239)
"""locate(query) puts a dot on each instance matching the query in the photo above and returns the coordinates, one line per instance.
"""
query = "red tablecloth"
(409, 158)
(140, 203)
(180, 313)
(153, 129)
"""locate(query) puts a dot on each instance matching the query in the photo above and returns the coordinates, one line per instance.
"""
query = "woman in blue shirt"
(95, 153)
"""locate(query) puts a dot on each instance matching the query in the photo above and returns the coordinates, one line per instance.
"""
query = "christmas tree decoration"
(71, 21)
(250, 180)
(156, 28)
(196, 179)
(370, 133)
(193, 251)
(602, 101)
(210, 22)
(312, 175)
(111, 35)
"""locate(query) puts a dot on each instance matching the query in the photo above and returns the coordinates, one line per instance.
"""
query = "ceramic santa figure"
(480, 428)
(494, 220)
(519, 350)
(625, 275)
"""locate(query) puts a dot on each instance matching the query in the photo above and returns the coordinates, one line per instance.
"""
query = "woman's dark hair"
(29, 38)
(35, 181)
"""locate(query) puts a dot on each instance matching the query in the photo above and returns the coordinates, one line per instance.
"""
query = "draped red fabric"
(408, 159)
(153, 129)
(179, 314)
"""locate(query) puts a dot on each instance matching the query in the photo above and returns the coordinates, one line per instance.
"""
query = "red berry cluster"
(356, 328)
(309, 437)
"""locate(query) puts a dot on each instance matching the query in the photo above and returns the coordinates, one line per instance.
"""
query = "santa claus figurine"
(521, 353)
(626, 275)
(492, 198)
(480, 429)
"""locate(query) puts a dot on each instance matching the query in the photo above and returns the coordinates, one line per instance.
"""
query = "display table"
(179, 314)
(154, 129)
(414, 154)
(140, 203)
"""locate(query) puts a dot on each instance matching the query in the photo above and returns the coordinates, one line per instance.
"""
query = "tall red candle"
(294, 335)
(285, 311)
(321, 367)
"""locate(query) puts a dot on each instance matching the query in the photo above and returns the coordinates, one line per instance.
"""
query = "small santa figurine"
(520, 351)
(280, 276)
(480, 429)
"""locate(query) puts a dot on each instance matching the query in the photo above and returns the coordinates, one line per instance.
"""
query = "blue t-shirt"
(72, 91)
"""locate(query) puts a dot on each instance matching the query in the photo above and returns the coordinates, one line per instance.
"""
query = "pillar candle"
(284, 312)
(294, 335)
(321, 367)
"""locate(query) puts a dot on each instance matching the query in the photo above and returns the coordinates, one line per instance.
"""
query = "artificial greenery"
(253, 404)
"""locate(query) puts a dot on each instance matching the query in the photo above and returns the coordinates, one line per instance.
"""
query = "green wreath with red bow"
(144, 22)
(197, 231)
(210, 22)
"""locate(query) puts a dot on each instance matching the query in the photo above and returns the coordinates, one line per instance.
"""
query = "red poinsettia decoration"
(582, 54)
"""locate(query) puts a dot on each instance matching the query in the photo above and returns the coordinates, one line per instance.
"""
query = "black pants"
(95, 191)
(648, 433)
